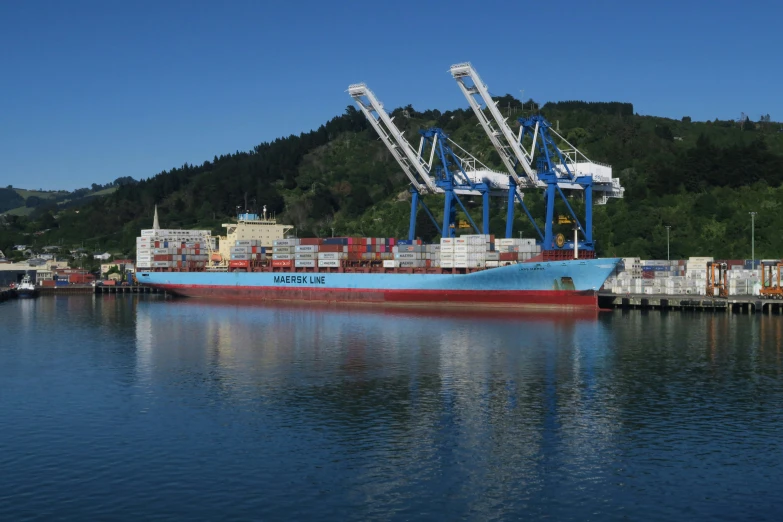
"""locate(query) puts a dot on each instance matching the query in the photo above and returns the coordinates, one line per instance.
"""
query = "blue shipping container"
(404, 242)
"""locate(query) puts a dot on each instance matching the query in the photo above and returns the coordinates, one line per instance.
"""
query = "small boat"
(26, 288)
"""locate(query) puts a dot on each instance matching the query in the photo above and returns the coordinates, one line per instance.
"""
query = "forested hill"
(700, 178)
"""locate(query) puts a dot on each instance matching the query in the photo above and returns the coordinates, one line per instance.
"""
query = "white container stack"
(168, 248)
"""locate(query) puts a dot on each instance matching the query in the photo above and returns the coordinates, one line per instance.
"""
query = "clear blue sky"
(90, 91)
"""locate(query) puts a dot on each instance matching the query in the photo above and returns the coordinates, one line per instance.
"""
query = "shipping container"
(328, 263)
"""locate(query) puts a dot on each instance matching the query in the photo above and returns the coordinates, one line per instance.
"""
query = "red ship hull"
(522, 299)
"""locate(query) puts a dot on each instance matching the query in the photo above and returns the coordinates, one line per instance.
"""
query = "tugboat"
(26, 288)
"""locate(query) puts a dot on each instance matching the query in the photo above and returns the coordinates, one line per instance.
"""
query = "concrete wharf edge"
(732, 304)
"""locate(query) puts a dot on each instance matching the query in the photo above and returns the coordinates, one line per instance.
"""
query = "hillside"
(701, 178)
(23, 202)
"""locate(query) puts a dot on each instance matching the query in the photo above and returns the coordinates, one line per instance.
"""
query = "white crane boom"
(409, 158)
(504, 140)
(510, 148)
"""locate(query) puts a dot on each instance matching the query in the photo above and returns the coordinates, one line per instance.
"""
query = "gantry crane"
(451, 176)
(544, 165)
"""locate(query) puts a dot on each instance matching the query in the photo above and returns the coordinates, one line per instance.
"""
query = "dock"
(7, 294)
(135, 289)
(739, 304)
(97, 290)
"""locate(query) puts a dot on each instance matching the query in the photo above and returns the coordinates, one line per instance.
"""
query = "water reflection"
(210, 411)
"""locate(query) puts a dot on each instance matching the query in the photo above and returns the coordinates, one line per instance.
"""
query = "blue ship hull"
(536, 284)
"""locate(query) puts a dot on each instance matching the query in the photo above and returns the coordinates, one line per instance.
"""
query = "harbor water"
(124, 407)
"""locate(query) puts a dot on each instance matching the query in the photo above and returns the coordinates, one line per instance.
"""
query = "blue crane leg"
(512, 188)
(447, 203)
(550, 216)
(414, 209)
(589, 214)
(485, 209)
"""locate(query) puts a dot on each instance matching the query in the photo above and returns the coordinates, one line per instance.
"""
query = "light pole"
(668, 227)
(753, 238)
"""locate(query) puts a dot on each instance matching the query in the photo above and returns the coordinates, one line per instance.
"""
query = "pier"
(7, 294)
(97, 290)
(734, 304)
(136, 289)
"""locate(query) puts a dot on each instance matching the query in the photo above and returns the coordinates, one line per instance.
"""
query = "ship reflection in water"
(208, 411)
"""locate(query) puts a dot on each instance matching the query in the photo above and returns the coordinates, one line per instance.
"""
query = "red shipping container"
(48, 282)
(236, 263)
(330, 248)
(110, 282)
(508, 256)
(310, 241)
(285, 263)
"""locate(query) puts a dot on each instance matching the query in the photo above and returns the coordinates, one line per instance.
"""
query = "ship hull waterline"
(555, 285)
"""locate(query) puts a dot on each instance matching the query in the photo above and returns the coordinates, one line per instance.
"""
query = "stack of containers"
(447, 252)
(468, 251)
(284, 252)
(516, 250)
(177, 249)
(246, 252)
(696, 275)
(333, 251)
(409, 254)
(375, 249)
(306, 252)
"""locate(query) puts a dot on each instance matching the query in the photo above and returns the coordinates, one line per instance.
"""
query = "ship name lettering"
(300, 280)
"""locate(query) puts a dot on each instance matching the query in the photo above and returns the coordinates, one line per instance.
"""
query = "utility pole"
(753, 238)
(668, 227)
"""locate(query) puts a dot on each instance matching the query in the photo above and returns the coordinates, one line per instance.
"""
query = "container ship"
(256, 262)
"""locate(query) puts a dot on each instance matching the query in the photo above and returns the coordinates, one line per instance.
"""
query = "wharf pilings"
(733, 304)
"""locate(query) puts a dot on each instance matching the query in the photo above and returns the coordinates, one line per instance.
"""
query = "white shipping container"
(282, 257)
(285, 242)
(447, 263)
(331, 256)
(283, 249)
(407, 255)
(306, 248)
(389, 264)
(305, 263)
(307, 255)
(328, 263)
